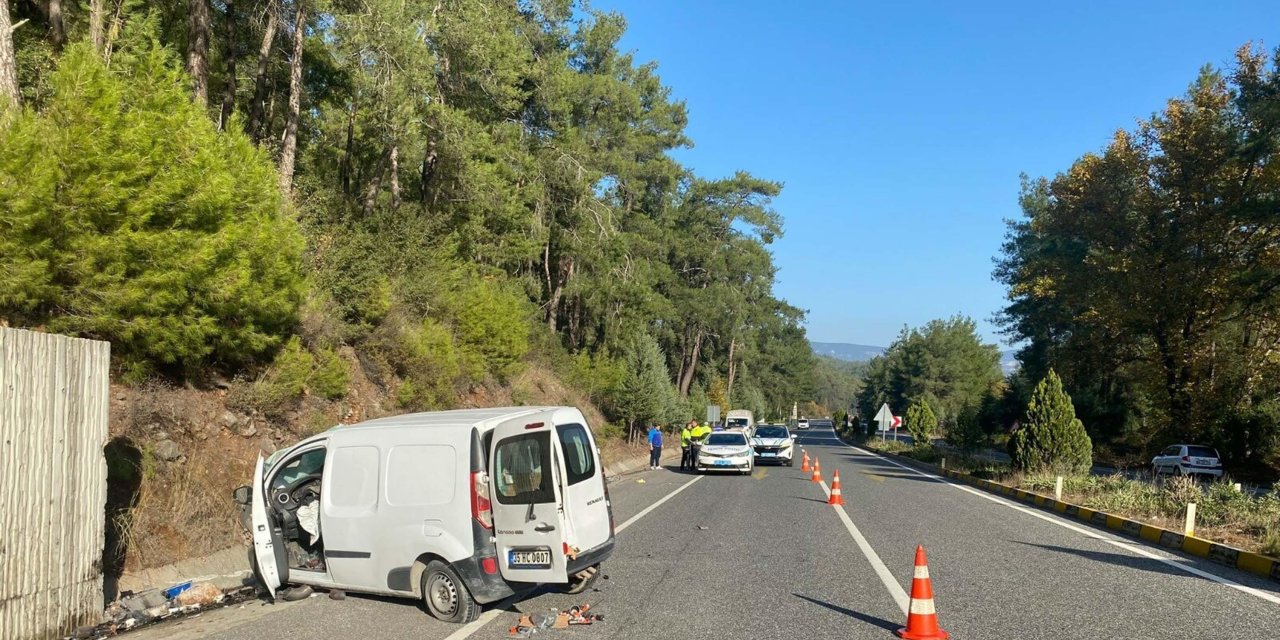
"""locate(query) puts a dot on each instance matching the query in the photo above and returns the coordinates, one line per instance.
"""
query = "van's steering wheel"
(283, 497)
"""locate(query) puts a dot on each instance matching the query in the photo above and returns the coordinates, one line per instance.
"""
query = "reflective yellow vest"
(685, 436)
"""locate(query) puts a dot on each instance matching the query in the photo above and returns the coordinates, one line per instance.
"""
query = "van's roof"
(455, 418)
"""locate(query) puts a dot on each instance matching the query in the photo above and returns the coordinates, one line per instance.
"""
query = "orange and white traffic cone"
(804, 464)
(836, 496)
(922, 619)
(817, 470)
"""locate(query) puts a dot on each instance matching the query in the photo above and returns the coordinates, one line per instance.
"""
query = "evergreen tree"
(647, 396)
(922, 422)
(1051, 437)
(966, 431)
(128, 217)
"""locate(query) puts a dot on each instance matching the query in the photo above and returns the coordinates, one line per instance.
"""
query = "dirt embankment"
(177, 453)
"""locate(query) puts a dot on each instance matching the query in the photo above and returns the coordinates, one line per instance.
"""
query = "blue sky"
(900, 128)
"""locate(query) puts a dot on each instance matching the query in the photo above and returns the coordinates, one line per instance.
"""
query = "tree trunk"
(733, 368)
(686, 377)
(257, 109)
(57, 29)
(289, 145)
(96, 11)
(198, 49)
(229, 95)
(375, 185)
(395, 176)
(8, 65)
(428, 168)
(344, 167)
(564, 273)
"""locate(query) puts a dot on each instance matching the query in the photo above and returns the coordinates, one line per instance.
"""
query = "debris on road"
(337, 594)
(296, 593)
(133, 611)
(531, 624)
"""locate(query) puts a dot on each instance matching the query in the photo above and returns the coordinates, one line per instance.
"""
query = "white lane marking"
(655, 505)
(895, 590)
(488, 616)
(1175, 563)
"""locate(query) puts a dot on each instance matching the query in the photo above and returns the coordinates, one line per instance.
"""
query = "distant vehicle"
(455, 508)
(772, 443)
(740, 419)
(803, 424)
(726, 451)
(1188, 460)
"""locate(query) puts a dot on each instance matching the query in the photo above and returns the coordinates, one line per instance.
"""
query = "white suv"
(1188, 460)
(772, 443)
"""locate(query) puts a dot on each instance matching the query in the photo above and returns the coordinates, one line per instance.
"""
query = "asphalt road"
(766, 557)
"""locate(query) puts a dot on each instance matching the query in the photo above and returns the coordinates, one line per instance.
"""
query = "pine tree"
(1051, 436)
(966, 433)
(922, 422)
(646, 395)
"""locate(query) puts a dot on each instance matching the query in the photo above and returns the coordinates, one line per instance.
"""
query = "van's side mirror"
(794, 436)
(242, 495)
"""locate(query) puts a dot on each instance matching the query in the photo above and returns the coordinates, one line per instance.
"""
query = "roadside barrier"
(922, 618)
(837, 498)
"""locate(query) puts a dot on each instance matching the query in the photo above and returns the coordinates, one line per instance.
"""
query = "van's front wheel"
(446, 596)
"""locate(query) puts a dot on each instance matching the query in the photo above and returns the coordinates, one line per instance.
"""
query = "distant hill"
(846, 351)
(863, 352)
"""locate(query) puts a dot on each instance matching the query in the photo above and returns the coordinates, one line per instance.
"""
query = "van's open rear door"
(264, 548)
(527, 502)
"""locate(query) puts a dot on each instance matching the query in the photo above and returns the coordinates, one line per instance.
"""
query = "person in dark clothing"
(655, 447)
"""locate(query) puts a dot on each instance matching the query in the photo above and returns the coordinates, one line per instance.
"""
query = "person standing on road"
(655, 446)
(686, 444)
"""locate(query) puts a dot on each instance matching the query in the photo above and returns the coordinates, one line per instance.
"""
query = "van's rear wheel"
(446, 596)
(583, 580)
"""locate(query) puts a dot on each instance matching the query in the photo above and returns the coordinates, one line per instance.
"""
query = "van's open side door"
(264, 540)
(527, 502)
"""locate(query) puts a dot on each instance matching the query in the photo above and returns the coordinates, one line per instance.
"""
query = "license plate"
(535, 558)
(1202, 462)
(768, 454)
(722, 463)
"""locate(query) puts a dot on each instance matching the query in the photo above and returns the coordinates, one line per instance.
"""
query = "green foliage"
(1051, 437)
(945, 360)
(493, 326)
(966, 431)
(922, 422)
(718, 395)
(646, 396)
(296, 370)
(129, 217)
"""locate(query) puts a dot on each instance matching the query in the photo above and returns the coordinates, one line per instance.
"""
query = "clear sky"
(900, 127)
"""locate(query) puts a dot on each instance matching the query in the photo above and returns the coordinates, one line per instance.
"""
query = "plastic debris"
(529, 625)
(296, 593)
(337, 594)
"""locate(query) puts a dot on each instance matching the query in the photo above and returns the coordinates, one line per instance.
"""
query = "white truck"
(740, 419)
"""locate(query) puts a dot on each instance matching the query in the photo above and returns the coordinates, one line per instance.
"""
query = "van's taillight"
(481, 508)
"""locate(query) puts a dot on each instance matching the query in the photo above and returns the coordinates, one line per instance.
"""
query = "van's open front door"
(264, 540)
(527, 502)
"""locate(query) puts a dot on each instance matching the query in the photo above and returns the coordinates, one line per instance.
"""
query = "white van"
(458, 508)
(740, 419)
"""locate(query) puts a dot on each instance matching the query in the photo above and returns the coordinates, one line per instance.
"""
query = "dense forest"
(1148, 274)
(452, 188)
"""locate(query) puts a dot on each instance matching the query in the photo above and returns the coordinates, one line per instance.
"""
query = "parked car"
(802, 424)
(456, 508)
(772, 443)
(1188, 460)
(726, 451)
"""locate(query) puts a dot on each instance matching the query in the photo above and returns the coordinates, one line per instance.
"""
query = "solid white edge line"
(488, 616)
(896, 591)
(1132, 548)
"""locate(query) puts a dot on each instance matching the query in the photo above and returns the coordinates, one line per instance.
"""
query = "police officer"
(686, 445)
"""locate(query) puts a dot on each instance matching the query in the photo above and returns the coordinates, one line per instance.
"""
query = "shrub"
(129, 217)
(424, 354)
(967, 433)
(493, 326)
(1051, 436)
(921, 422)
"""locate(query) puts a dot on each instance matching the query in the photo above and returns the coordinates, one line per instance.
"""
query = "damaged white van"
(458, 508)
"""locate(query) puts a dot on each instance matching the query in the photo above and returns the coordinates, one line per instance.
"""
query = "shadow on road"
(810, 500)
(869, 619)
(1118, 559)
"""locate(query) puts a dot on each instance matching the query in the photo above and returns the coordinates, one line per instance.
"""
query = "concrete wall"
(53, 482)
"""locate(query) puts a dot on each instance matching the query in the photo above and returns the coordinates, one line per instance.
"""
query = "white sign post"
(885, 418)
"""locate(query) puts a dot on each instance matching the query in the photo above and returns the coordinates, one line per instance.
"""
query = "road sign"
(713, 413)
(897, 422)
(885, 416)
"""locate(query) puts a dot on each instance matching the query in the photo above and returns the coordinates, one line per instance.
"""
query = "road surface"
(766, 557)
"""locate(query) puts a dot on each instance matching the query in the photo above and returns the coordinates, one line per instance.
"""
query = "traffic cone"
(817, 470)
(922, 620)
(804, 464)
(836, 496)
